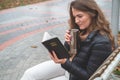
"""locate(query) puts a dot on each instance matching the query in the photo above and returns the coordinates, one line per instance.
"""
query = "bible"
(54, 44)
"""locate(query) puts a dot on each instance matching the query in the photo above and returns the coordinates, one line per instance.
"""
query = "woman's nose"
(76, 20)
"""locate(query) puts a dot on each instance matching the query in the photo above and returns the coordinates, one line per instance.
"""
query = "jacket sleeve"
(98, 53)
(67, 46)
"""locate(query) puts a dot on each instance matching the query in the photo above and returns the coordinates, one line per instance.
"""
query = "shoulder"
(96, 37)
(102, 42)
(99, 38)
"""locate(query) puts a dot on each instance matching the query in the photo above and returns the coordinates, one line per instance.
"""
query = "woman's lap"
(43, 71)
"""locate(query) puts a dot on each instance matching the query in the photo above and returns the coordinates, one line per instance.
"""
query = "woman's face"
(82, 19)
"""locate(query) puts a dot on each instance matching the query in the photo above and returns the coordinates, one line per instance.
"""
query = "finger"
(68, 40)
(56, 59)
(55, 56)
(68, 31)
(51, 56)
(67, 36)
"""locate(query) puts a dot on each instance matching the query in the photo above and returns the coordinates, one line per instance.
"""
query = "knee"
(28, 72)
(27, 75)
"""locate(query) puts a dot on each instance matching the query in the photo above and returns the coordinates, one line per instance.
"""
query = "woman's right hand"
(67, 36)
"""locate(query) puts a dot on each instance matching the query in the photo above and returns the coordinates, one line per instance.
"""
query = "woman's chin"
(82, 29)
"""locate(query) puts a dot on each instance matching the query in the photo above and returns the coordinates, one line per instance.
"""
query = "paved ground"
(21, 32)
(22, 29)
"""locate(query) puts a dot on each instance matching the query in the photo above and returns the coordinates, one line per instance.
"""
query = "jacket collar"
(91, 35)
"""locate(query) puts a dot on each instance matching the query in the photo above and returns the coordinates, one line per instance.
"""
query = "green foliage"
(116, 72)
(4, 4)
(118, 32)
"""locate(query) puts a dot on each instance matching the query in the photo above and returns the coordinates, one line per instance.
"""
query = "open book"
(54, 44)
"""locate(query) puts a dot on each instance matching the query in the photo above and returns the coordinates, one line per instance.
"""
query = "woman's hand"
(67, 36)
(56, 59)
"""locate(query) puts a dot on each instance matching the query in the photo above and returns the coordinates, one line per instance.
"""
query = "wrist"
(71, 58)
(64, 60)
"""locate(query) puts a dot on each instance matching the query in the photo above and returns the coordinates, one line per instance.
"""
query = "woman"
(95, 40)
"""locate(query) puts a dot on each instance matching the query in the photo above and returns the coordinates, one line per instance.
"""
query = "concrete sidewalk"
(21, 32)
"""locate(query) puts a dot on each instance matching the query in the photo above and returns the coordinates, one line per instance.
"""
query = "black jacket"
(90, 55)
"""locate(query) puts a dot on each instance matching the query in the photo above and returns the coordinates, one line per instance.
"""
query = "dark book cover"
(54, 44)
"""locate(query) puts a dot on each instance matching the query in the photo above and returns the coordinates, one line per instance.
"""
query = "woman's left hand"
(56, 59)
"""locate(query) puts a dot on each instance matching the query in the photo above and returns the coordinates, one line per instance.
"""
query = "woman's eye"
(79, 16)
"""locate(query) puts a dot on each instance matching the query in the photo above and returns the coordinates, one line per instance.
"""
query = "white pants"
(46, 71)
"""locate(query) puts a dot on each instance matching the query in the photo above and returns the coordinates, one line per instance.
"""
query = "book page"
(46, 36)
